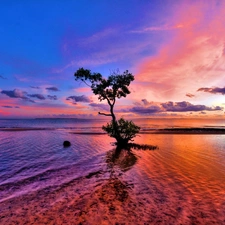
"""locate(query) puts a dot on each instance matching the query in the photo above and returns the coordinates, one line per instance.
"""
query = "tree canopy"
(116, 86)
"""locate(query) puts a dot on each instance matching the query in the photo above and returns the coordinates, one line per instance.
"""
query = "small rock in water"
(66, 143)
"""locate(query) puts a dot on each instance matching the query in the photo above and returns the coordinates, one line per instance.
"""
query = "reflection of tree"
(124, 159)
(116, 194)
(136, 146)
(120, 158)
(112, 199)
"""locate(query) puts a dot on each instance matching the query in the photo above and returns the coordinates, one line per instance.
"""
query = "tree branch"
(108, 101)
(86, 83)
(114, 101)
(104, 114)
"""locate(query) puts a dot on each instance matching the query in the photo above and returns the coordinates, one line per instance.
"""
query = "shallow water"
(187, 174)
(183, 182)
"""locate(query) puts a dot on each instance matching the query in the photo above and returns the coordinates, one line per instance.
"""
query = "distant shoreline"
(200, 131)
(187, 131)
(24, 129)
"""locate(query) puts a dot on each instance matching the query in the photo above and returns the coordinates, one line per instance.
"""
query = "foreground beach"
(41, 182)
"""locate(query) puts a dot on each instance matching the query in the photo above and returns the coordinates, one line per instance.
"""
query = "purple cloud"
(145, 102)
(79, 98)
(52, 97)
(7, 106)
(153, 108)
(52, 89)
(215, 90)
(187, 107)
(99, 106)
(10, 107)
(38, 96)
(16, 93)
(35, 87)
(190, 95)
(146, 110)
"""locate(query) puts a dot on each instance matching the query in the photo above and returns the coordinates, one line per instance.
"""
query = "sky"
(174, 49)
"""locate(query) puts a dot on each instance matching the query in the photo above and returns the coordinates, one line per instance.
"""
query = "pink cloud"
(158, 28)
(4, 113)
(194, 58)
(41, 110)
(83, 89)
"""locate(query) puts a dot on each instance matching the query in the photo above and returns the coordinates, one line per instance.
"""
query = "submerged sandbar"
(195, 130)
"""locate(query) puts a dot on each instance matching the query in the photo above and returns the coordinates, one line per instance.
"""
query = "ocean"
(41, 182)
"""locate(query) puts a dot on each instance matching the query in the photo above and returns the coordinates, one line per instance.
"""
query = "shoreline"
(24, 129)
(187, 131)
(181, 131)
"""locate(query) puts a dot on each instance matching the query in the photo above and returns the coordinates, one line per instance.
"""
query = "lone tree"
(111, 88)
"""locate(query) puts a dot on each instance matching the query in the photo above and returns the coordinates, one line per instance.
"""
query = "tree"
(110, 89)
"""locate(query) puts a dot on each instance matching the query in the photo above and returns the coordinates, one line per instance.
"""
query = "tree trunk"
(115, 126)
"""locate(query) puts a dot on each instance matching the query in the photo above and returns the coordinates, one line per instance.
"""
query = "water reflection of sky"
(181, 182)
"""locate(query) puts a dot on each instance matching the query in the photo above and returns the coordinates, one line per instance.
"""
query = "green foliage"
(116, 86)
(127, 130)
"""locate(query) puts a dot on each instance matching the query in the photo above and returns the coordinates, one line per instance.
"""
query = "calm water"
(183, 182)
(95, 124)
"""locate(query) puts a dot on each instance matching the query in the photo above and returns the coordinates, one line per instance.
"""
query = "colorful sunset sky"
(175, 50)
